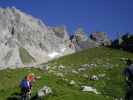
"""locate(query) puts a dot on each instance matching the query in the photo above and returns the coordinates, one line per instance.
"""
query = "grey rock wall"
(20, 30)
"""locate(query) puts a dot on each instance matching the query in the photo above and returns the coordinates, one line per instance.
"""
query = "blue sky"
(93, 15)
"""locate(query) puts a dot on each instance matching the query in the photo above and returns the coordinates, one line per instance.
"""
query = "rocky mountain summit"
(96, 39)
(27, 40)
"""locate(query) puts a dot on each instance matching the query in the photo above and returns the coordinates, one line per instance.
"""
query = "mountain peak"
(25, 36)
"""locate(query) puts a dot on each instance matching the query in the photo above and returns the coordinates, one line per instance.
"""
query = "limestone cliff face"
(25, 37)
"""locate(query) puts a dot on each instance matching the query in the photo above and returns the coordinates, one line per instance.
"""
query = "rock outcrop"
(80, 40)
(45, 91)
(27, 40)
(89, 89)
(101, 38)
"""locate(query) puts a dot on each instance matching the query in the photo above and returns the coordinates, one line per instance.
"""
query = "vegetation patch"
(103, 62)
(25, 56)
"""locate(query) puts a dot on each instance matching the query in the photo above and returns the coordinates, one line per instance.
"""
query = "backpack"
(130, 69)
(24, 84)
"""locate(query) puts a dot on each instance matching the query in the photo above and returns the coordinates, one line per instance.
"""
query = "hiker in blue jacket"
(128, 72)
(25, 88)
(26, 85)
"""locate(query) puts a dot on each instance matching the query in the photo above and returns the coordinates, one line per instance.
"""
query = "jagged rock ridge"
(96, 39)
(24, 36)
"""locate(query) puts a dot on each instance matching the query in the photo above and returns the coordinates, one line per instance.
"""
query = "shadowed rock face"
(96, 39)
(20, 30)
(101, 38)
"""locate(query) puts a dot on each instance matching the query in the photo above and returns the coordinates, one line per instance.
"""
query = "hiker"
(31, 77)
(25, 88)
(26, 83)
(128, 72)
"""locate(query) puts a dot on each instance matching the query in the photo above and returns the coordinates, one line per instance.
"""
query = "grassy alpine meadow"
(105, 63)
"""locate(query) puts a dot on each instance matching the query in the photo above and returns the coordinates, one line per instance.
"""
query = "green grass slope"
(107, 61)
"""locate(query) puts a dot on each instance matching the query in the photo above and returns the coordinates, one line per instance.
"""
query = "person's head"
(30, 76)
(129, 61)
